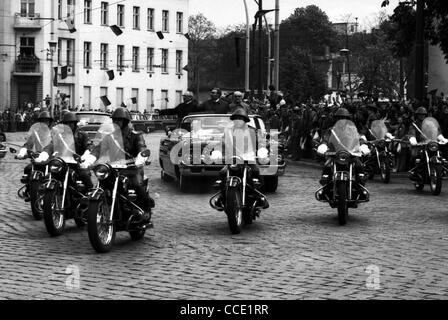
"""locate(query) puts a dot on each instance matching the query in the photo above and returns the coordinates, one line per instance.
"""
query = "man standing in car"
(215, 104)
(190, 105)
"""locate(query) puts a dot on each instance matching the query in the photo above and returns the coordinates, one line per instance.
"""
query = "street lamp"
(53, 45)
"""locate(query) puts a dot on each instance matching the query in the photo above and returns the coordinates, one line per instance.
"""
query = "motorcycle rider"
(415, 136)
(341, 114)
(134, 144)
(33, 141)
(82, 147)
(240, 139)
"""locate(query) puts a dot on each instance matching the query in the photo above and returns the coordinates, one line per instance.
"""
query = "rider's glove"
(88, 160)
(140, 160)
(413, 141)
(364, 149)
(22, 153)
(442, 139)
(389, 136)
(322, 149)
(42, 157)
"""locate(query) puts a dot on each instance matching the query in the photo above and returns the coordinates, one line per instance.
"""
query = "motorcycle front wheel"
(385, 170)
(341, 187)
(435, 180)
(101, 231)
(34, 197)
(53, 213)
(234, 210)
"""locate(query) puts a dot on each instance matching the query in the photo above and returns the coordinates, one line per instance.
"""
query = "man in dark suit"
(215, 104)
(190, 105)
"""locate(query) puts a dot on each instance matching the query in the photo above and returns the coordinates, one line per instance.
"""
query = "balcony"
(27, 67)
(23, 21)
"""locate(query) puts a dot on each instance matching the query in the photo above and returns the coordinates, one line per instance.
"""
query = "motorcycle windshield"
(111, 146)
(344, 136)
(378, 129)
(40, 134)
(63, 143)
(430, 129)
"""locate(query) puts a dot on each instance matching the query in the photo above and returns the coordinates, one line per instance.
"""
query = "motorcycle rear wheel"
(342, 202)
(435, 180)
(34, 197)
(234, 210)
(53, 214)
(101, 232)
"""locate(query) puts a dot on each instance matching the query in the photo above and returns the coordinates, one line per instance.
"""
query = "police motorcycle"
(429, 163)
(3, 150)
(31, 192)
(239, 196)
(62, 190)
(380, 159)
(112, 203)
(342, 180)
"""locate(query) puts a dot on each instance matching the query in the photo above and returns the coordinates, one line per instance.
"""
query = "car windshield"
(206, 124)
(94, 118)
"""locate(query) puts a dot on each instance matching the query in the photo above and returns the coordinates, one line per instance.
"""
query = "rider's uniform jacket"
(82, 143)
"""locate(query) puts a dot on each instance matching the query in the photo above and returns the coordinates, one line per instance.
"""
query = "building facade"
(142, 67)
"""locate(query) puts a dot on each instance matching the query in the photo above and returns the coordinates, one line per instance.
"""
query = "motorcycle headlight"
(381, 144)
(342, 157)
(55, 166)
(102, 172)
(433, 146)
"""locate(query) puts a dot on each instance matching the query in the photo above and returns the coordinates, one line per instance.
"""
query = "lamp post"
(346, 52)
(53, 45)
(247, 66)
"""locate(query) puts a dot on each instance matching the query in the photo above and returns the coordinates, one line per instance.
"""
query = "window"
(178, 97)
(27, 8)
(120, 97)
(87, 97)
(165, 21)
(59, 52)
(87, 54)
(164, 60)
(26, 47)
(164, 99)
(150, 63)
(180, 22)
(149, 99)
(60, 9)
(135, 59)
(151, 19)
(70, 52)
(104, 55)
(104, 13)
(87, 11)
(71, 10)
(120, 58)
(136, 23)
(178, 61)
(120, 15)
(135, 95)
(103, 92)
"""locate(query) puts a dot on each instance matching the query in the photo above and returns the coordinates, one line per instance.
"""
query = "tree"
(200, 30)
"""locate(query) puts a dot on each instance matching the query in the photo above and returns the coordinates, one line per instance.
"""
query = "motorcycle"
(62, 191)
(40, 133)
(380, 160)
(111, 204)
(3, 150)
(429, 163)
(342, 187)
(242, 202)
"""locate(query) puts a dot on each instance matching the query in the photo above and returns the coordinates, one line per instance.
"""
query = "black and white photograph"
(237, 151)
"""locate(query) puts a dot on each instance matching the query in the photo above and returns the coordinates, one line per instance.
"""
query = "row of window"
(121, 61)
(134, 94)
(136, 14)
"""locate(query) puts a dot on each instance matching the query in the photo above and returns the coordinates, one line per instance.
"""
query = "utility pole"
(247, 66)
(52, 74)
(260, 50)
(277, 44)
(420, 52)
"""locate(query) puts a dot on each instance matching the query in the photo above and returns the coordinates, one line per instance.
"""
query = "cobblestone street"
(296, 250)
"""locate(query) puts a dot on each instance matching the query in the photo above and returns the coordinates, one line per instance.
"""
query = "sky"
(229, 12)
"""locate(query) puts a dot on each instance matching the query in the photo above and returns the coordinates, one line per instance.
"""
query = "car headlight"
(55, 166)
(216, 155)
(433, 146)
(263, 155)
(102, 172)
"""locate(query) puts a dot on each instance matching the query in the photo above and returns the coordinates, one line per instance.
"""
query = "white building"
(145, 67)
